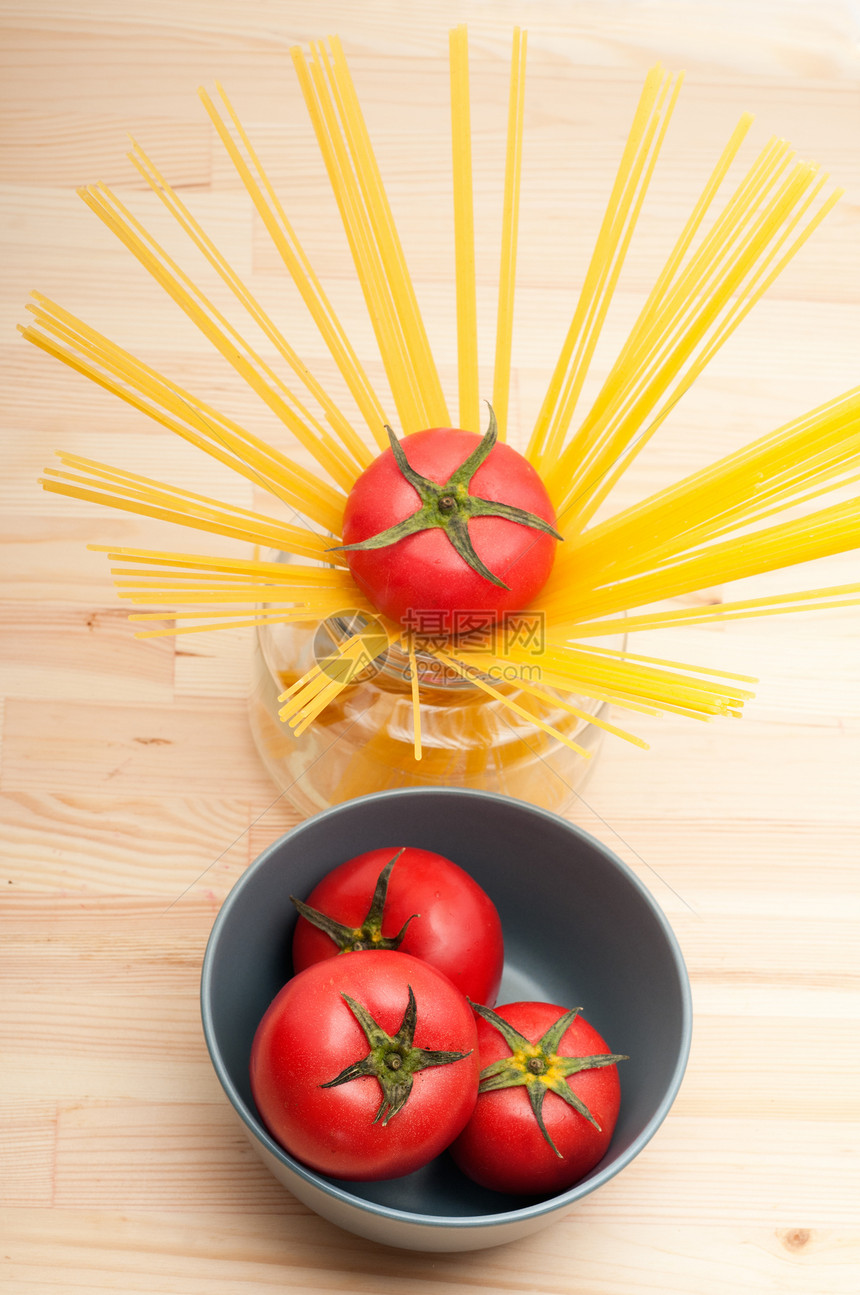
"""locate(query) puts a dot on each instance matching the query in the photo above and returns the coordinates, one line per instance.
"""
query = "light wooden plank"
(131, 795)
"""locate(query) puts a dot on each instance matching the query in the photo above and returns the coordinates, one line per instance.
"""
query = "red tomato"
(424, 572)
(454, 924)
(366, 1066)
(503, 1145)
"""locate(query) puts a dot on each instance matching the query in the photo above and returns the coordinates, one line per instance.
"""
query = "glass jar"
(364, 742)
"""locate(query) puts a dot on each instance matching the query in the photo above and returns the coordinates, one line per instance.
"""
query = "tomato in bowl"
(579, 929)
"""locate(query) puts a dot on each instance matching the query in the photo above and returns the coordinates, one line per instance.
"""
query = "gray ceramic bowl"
(580, 930)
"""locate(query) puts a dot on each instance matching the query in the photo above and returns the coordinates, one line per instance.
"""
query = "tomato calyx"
(393, 1059)
(355, 939)
(538, 1067)
(450, 507)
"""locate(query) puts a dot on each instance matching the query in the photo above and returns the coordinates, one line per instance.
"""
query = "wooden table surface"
(132, 796)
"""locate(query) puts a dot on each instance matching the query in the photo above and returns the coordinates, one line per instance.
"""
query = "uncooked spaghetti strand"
(622, 431)
(564, 651)
(668, 318)
(132, 579)
(302, 722)
(296, 493)
(399, 350)
(484, 662)
(770, 267)
(102, 484)
(321, 684)
(684, 525)
(827, 532)
(725, 490)
(694, 223)
(464, 231)
(607, 239)
(317, 546)
(298, 610)
(229, 621)
(107, 365)
(322, 110)
(663, 691)
(593, 720)
(282, 234)
(268, 536)
(141, 579)
(400, 359)
(476, 678)
(136, 486)
(259, 376)
(416, 703)
(669, 274)
(597, 267)
(831, 598)
(510, 228)
(308, 585)
(748, 516)
(639, 693)
(215, 326)
(746, 493)
(640, 180)
(408, 643)
(666, 364)
(213, 515)
(294, 579)
(388, 239)
(174, 204)
(701, 704)
(202, 580)
(655, 680)
(680, 283)
(694, 284)
(313, 672)
(253, 568)
(324, 101)
(322, 600)
(319, 687)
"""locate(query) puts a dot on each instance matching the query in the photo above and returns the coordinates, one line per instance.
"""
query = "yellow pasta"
(83, 349)
(464, 232)
(776, 503)
(510, 226)
(270, 209)
(416, 700)
(361, 454)
(657, 98)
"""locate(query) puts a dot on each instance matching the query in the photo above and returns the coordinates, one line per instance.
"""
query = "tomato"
(449, 522)
(366, 1066)
(541, 1122)
(411, 899)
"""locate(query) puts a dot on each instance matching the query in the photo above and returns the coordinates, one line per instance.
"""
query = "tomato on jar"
(448, 521)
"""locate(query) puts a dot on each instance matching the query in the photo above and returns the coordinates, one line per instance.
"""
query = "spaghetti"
(754, 511)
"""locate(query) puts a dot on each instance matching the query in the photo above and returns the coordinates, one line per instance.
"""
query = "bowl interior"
(580, 931)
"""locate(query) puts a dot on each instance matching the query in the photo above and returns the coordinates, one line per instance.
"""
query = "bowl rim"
(330, 1188)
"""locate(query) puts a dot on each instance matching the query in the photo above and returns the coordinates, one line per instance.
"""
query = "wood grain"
(131, 796)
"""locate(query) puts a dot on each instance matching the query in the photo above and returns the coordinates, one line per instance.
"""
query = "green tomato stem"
(538, 1067)
(450, 507)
